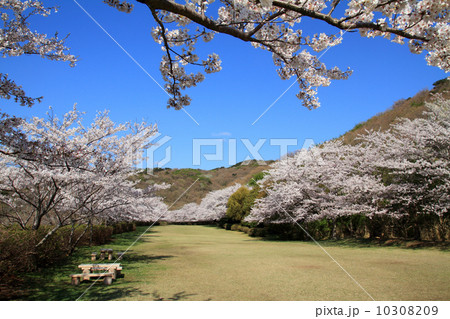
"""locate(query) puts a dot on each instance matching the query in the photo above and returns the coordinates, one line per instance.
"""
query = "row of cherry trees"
(212, 208)
(400, 173)
(59, 172)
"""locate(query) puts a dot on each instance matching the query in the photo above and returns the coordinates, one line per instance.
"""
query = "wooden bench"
(107, 277)
(105, 251)
(120, 255)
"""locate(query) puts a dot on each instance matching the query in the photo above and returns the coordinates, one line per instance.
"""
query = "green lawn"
(208, 263)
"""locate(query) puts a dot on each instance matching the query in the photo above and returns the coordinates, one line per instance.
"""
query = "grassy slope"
(207, 263)
(211, 180)
(409, 108)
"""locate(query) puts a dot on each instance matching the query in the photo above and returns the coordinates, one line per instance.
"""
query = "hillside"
(218, 178)
(412, 107)
(208, 180)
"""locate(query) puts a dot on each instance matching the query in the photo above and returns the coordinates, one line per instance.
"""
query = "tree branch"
(343, 24)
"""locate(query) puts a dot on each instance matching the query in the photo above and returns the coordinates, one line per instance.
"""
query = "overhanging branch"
(342, 23)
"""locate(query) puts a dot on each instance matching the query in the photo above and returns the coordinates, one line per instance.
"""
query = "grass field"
(208, 263)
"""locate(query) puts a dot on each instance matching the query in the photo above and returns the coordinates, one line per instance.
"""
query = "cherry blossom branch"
(16, 38)
(9, 89)
(275, 26)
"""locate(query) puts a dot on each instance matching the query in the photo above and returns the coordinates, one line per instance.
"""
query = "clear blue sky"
(226, 103)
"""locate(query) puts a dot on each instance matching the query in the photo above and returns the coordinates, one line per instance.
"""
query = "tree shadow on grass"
(368, 243)
(126, 239)
(130, 259)
(136, 261)
(182, 295)
(98, 292)
(57, 288)
(380, 243)
(104, 293)
(350, 242)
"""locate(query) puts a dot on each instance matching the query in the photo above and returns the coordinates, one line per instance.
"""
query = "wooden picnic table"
(115, 268)
(106, 271)
(107, 277)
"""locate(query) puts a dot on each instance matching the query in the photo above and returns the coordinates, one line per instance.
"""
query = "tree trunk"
(333, 231)
(47, 236)
(37, 220)
(72, 248)
(91, 233)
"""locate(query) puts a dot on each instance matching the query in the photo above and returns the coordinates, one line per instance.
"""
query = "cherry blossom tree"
(16, 39)
(187, 213)
(212, 208)
(325, 182)
(413, 160)
(276, 26)
(137, 204)
(61, 172)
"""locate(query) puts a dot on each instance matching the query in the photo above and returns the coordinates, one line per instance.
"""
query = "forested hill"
(412, 107)
(219, 178)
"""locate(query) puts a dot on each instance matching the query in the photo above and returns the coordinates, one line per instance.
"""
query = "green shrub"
(236, 206)
(286, 232)
(244, 229)
(417, 104)
(440, 82)
(234, 227)
(357, 126)
(320, 229)
(123, 227)
(16, 246)
(101, 234)
(240, 203)
(256, 177)
(257, 232)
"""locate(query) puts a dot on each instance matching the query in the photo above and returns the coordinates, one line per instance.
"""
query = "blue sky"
(227, 103)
